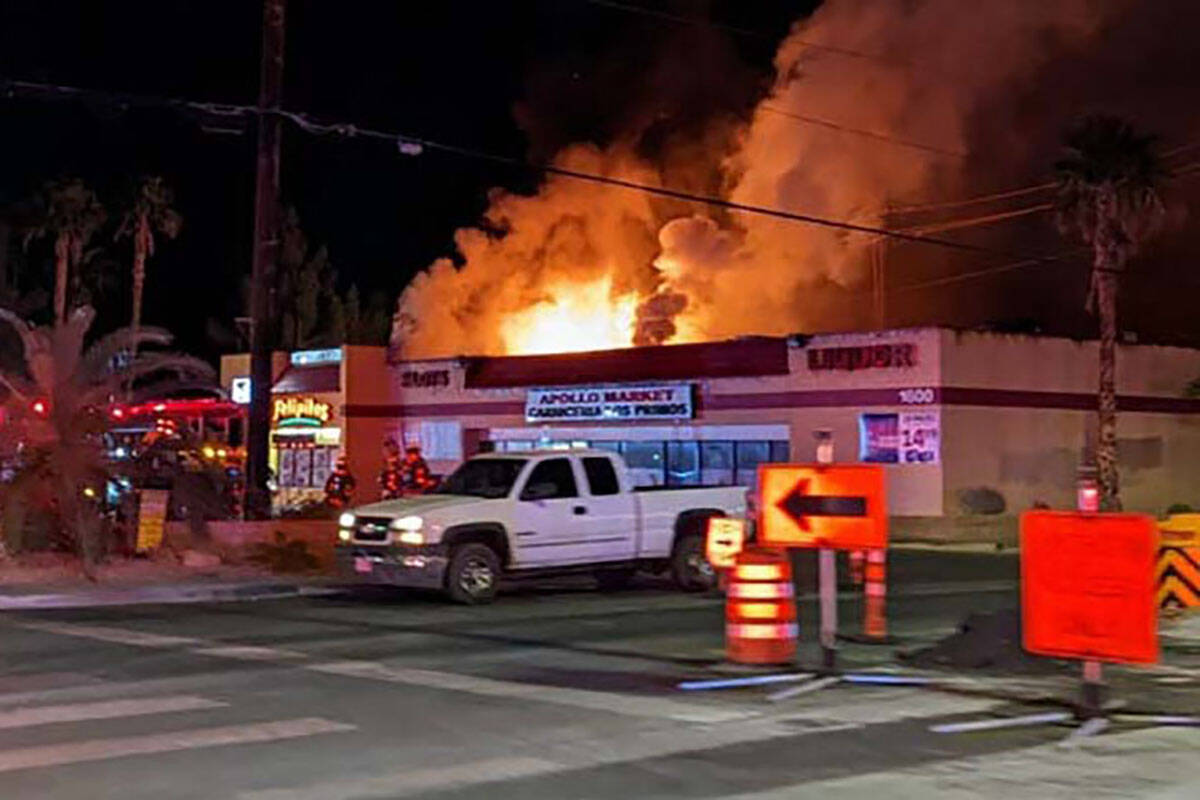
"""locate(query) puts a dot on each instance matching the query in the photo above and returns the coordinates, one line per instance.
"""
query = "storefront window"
(612, 447)
(683, 464)
(716, 463)
(780, 452)
(645, 462)
(749, 456)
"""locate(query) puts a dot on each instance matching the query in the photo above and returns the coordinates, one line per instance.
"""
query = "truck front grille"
(371, 529)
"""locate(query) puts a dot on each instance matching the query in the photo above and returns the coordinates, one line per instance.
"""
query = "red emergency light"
(40, 408)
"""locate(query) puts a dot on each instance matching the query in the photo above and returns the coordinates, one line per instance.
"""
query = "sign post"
(826, 507)
(1087, 593)
(827, 572)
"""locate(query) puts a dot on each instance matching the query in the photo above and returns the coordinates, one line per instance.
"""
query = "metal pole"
(1088, 499)
(827, 571)
(266, 246)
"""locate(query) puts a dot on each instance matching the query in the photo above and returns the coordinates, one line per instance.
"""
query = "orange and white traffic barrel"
(760, 609)
(875, 596)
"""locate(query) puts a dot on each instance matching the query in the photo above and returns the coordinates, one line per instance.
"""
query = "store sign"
(309, 358)
(300, 411)
(612, 404)
(425, 379)
(875, 356)
(239, 390)
(907, 437)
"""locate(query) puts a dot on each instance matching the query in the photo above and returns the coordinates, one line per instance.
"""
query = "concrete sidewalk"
(33, 596)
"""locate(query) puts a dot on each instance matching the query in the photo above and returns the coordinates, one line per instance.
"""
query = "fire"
(575, 317)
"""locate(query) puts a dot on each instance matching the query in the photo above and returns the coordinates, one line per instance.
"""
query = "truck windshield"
(490, 478)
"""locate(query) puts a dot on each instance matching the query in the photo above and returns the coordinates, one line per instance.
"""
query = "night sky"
(454, 71)
(519, 78)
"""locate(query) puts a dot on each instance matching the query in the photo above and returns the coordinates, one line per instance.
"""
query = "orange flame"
(574, 318)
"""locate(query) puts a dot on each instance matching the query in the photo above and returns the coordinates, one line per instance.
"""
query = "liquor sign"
(300, 411)
(609, 403)
(872, 356)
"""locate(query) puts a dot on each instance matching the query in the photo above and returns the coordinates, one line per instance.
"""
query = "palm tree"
(57, 407)
(149, 213)
(71, 214)
(1108, 184)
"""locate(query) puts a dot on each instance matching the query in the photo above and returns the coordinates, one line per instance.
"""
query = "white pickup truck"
(533, 513)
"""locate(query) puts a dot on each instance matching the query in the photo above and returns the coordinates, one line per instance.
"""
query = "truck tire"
(689, 567)
(613, 580)
(472, 574)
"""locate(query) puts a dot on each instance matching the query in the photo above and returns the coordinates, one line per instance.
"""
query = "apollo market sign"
(609, 403)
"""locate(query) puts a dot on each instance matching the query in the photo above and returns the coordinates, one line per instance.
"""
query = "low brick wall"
(239, 536)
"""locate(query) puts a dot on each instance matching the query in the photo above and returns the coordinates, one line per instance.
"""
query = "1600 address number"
(916, 397)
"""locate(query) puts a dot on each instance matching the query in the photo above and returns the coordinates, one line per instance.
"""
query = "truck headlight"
(408, 524)
(411, 537)
(344, 534)
(346, 520)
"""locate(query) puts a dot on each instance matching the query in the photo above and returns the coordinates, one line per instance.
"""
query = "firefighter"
(339, 489)
(417, 478)
(391, 478)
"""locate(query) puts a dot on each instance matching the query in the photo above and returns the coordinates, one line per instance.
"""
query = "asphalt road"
(555, 692)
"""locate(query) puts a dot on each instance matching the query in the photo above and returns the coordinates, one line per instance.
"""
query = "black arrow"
(799, 505)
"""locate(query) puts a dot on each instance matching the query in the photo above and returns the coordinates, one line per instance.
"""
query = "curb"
(168, 594)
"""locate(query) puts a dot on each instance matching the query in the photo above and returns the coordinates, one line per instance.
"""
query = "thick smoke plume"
(936, 68)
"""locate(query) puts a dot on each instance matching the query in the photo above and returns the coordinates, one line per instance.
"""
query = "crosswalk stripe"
(109, 709)
(629, 705)
(115, 635)
(101, 749)
(635, 746)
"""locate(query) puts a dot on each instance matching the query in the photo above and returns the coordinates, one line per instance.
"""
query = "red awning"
(735, 358)
(309, 380)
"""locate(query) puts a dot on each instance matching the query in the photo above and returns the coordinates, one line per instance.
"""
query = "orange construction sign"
(1087, 585)
(840, 506)
(726, 538)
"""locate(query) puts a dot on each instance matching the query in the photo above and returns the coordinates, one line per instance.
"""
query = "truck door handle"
(580, 510)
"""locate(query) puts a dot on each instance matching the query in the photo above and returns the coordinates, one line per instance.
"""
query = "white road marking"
(636, 745)
(416, 780)
(101, 749)
(1156, 762)
(109, 709)
(248, 653)
(629, 705)
(106, 634)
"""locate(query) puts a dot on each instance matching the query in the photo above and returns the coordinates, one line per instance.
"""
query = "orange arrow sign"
(817, 505)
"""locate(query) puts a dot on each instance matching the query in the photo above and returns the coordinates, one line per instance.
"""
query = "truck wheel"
(612, 580)
(472, 574)
(689, 567)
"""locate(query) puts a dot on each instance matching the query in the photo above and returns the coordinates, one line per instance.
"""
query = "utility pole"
(266, 249)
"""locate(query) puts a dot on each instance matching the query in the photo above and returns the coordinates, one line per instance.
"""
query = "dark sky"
(454, 70)
(519, 78)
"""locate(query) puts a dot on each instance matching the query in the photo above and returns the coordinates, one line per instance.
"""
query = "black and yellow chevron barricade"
(1177, 573)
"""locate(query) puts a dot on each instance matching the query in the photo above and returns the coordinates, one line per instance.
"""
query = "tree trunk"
(1106, 446)
(62, 260)
(141, 247)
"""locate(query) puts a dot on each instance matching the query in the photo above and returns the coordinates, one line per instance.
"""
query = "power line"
(986, 198)
(415, 144)
(879, 137)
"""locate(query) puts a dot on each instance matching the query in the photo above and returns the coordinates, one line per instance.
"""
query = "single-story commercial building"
(966, 423)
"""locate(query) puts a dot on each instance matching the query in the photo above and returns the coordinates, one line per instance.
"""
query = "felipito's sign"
(303, 411)
(609, 403)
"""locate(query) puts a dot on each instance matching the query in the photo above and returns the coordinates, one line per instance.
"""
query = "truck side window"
(602, 478)
(550, 480)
